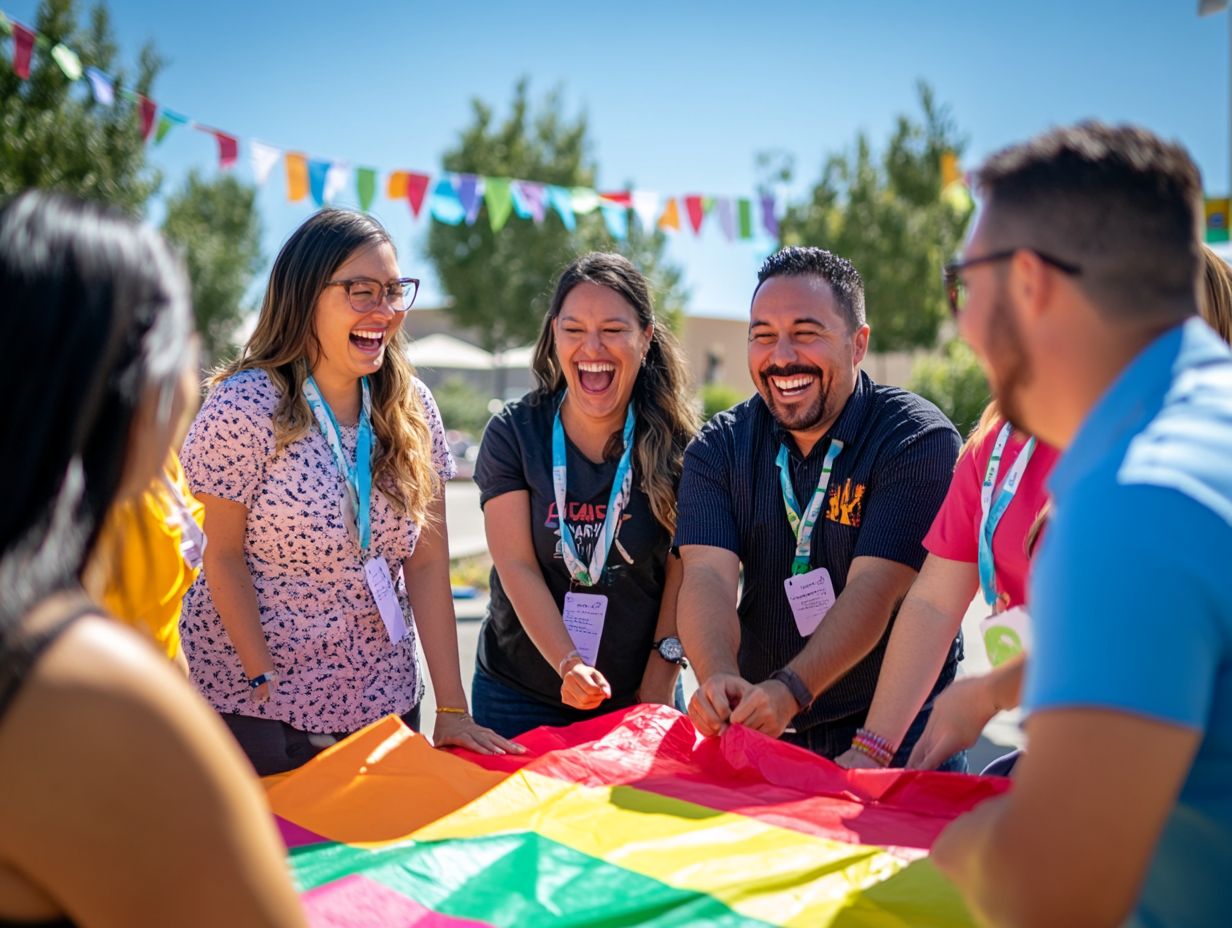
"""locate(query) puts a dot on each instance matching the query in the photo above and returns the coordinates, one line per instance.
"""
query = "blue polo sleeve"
(1128, 608)
(904, 495)
(704, 514)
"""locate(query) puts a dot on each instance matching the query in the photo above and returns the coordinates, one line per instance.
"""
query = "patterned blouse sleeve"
(442, 459)
(231, 439)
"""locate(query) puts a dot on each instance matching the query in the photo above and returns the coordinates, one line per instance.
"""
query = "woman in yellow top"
(151, 549)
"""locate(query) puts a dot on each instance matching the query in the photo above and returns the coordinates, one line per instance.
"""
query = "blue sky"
(681, 96)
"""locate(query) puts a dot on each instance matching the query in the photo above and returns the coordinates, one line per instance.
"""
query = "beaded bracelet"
(872, 745)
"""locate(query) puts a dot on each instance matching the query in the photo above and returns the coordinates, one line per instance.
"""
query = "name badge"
(810, 595)
(1006, 634)
(583, 615)
(376, 570)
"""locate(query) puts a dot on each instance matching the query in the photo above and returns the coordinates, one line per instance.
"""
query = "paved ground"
(466, 538)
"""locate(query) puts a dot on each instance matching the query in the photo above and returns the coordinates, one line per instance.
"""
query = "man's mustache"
(792, 370)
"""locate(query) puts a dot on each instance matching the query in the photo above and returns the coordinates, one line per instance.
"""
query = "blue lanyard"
(802, 523)
(992, 511)
(622, 483)
(356, 478)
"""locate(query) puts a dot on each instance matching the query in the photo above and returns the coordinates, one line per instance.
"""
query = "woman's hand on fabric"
(583, 687)
(958, 717)
(851, 759)
(459, 730)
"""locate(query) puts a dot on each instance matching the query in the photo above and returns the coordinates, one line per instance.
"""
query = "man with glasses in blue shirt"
(1077, 290)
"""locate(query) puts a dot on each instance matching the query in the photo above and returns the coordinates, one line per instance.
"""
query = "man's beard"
(1012, 370)
(796, 419)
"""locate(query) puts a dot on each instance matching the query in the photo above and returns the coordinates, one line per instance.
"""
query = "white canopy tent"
(444, 352)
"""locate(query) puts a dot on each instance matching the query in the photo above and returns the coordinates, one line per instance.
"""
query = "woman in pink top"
(978, 543)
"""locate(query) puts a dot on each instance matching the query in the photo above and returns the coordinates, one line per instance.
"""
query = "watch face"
(671, 649)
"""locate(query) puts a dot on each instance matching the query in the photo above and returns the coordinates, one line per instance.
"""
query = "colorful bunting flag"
(696, 212)
(297, 176)
(951, 173)
(316, 180)
(228, 149)
(23, 49)
(470, 196)
(416, 190)
(646, 205)
(745, 208)
(148, 110)
(616, 218)
(166, 120)
(618, 198)
(768, 218)
(727, 217)
(528, 200)
(498, 195)
(670, 220)
(585, 200)
(264, 157)
(561, 200)
(1216, 219)
(627, 819)
(68, 61)
(365, 187)
(395, 186)
(101, 86)
(336, 180)
(445, 205)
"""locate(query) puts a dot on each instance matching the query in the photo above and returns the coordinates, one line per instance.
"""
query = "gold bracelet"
(451, 710)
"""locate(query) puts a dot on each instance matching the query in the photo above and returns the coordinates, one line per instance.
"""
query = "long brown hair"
(665, 419)
(1215, 294)
(285, 341)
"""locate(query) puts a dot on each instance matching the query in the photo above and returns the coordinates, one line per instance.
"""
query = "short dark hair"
(1118, 201)
(809, 261)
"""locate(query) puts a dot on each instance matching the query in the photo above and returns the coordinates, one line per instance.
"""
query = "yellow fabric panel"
(146, 573)
(774, 874)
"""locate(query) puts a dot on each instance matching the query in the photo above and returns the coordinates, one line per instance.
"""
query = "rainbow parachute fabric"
(628, 819)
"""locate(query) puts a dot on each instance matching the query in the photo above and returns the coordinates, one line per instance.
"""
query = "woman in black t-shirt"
(579, 518)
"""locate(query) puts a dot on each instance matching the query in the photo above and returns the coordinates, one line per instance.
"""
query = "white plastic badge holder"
(583, 615)
(376, 570)
(1006, 634)
(810, 595)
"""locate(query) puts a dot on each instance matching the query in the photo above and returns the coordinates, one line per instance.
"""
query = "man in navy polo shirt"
(1077, 290)
(822, 488)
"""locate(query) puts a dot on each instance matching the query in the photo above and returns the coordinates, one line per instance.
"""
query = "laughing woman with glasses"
(321, 462)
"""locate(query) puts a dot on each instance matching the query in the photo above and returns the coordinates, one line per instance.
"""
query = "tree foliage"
(887, 215)
(954, 381)
(53, 134)
(215, 222)
(501, 282)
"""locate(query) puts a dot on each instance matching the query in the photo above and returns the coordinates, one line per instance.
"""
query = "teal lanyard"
(622, 483)
(356, 478)
(991, 511)
(802, 524)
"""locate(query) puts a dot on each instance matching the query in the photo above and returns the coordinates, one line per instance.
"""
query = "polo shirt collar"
(847, 428)
(1142, 385)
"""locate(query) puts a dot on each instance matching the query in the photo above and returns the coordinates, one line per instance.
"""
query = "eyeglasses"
(956, 290)
(367, 294)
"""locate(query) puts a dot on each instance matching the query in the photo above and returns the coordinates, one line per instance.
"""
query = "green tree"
(216, 222)
(501, 282)
(888, 217)
(53, 134)
(954, 381)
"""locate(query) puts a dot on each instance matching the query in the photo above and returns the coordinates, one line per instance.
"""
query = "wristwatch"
(671, 650)
(798, 688)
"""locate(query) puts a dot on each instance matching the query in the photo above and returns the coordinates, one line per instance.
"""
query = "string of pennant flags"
(448, 197)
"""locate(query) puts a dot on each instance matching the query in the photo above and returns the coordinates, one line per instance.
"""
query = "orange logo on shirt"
(846, 504)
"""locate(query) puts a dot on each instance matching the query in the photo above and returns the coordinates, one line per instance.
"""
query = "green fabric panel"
(515, 879)
(746, 218)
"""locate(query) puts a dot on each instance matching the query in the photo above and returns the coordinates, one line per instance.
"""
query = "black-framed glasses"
(366, 294)
(956, 291)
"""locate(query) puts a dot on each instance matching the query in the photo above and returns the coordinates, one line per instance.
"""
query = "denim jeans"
(510, 713)
(830, 739)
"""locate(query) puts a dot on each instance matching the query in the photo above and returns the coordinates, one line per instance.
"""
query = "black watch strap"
(799, 691)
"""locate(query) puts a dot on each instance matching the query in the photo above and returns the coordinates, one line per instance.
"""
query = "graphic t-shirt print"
(846, 503)
(586, 524)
